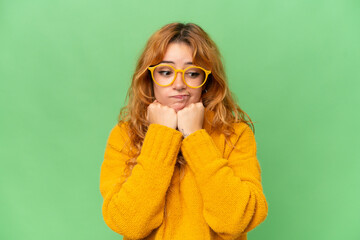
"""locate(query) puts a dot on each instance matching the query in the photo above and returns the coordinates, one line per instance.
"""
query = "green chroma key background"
(64, 70)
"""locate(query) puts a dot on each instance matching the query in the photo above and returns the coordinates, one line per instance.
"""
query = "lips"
(180, 96)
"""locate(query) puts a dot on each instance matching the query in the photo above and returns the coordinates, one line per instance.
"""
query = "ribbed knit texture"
(219, 197)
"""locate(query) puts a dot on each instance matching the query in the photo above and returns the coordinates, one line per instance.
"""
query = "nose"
(178, 82)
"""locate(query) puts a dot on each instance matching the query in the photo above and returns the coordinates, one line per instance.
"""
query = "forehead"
(179, 53)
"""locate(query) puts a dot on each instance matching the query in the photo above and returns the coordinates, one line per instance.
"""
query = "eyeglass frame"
(207, 73)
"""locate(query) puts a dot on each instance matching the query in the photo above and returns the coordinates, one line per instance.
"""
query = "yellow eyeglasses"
(165, 74)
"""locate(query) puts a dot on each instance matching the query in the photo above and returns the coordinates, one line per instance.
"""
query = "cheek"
(196, 95)
(157, 92)
(160, 93)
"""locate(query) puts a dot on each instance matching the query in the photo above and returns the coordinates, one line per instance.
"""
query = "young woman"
(181, 162)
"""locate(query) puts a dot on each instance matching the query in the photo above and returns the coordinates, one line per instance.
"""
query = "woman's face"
(177, 95)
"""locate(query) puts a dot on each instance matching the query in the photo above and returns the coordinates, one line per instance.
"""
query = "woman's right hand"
(161, 114)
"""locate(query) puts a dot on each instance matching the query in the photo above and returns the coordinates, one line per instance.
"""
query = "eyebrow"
(189, 63)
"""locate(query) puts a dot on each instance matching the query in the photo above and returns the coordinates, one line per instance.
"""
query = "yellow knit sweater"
(220, 195)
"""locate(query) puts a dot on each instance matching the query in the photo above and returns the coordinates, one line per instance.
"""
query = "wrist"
(186, 133)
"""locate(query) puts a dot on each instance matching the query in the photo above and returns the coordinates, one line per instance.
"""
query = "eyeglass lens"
(164, 75)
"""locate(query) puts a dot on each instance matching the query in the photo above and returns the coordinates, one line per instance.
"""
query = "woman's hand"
(190, 118)
(161, 114)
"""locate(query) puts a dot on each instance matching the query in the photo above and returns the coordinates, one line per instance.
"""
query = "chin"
(179, 108)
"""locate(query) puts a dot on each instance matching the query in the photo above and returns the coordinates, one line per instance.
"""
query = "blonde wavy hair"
(216, 98)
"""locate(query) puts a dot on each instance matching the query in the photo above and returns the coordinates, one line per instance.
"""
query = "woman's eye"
(165, 73)
(193, 74)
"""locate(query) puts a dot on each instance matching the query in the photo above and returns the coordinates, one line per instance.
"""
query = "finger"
(156, 101)
(200, 103)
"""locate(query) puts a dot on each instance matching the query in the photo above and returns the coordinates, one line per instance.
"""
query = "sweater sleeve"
(231, 188)
(133, 207)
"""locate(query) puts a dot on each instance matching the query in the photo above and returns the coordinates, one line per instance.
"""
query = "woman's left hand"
(191, 118)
